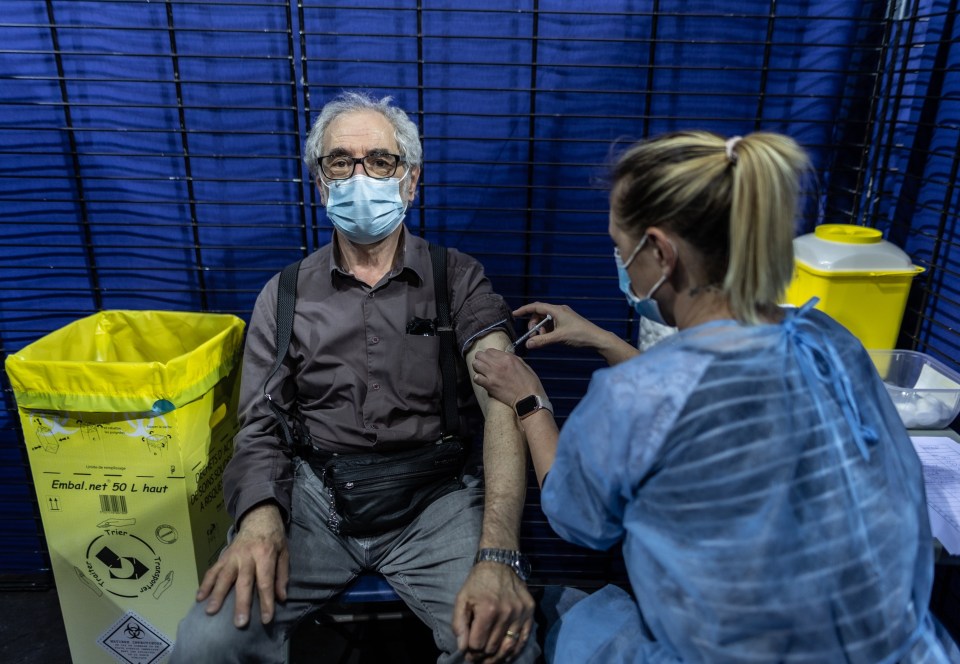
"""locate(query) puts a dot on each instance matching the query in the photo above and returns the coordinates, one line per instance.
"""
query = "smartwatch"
(512, 559)
(527, 406)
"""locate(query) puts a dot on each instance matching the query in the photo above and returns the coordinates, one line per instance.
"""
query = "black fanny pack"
(375, 492)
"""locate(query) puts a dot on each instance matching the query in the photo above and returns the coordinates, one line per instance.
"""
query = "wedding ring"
(512, 635)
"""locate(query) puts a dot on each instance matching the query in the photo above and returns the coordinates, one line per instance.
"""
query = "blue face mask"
(647, 306)
(364, 209)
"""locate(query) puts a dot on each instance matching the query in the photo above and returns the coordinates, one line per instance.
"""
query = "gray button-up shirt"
(353, 372)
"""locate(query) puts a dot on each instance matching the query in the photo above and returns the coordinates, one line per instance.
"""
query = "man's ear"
(322, 189)
(410, 189)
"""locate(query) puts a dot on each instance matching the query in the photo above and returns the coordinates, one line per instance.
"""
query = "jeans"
(425, 562)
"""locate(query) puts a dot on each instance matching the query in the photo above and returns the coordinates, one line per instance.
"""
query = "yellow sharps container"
(861, 279)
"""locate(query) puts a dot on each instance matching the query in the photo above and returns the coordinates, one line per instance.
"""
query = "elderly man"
(361, 378)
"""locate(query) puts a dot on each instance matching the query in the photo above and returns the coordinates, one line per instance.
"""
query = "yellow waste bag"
(128, 419)
(127, 361)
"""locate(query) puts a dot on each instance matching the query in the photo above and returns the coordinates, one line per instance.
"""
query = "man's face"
(360, 133)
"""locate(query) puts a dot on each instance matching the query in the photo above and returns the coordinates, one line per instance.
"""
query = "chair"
(367, 622)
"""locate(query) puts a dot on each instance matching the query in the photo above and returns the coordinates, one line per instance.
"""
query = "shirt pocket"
(420, 370)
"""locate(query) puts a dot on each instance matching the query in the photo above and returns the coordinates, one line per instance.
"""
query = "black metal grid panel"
(124, 185)
(150, 151)
(909, 186)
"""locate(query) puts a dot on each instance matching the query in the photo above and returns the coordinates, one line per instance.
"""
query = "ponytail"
(767, 173)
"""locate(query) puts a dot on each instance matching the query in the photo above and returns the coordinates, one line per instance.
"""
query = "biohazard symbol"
(133, 630)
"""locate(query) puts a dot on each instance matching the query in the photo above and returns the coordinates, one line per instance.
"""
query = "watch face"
(527, 405)
(523, 568)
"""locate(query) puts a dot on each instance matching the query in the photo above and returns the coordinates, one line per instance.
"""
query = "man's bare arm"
(493, 613)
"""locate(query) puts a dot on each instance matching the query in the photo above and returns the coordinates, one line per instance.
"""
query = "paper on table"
(940, 457)
(931, 379)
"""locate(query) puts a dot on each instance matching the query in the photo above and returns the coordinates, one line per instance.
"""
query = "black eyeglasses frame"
(360, 160)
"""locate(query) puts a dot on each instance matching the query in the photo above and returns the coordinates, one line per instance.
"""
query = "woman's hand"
(568, 327)
(505, 376)
(507, 379)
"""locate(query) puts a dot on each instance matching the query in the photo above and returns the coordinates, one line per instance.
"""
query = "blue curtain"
(150, 152)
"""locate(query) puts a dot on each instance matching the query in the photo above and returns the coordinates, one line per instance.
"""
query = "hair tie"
(730, 145)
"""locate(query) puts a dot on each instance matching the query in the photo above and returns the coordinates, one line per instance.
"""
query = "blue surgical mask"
(646, 306)
(365, 209)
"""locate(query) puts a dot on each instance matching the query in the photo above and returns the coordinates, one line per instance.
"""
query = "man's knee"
(214, 639)
(198, 638)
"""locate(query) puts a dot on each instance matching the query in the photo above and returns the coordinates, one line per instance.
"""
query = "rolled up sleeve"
(477, 310)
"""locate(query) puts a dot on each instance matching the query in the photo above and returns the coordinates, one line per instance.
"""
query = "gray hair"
(406, 133)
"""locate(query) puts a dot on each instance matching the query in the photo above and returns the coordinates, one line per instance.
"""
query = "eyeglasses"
(378, 165)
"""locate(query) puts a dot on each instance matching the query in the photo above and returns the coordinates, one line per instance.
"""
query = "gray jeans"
(426, 563)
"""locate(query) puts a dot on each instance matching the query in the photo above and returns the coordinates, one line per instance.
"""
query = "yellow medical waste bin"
(861, 279)
(128, 419)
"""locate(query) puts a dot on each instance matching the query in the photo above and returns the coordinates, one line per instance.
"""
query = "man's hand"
(256, 558)
(493, 614)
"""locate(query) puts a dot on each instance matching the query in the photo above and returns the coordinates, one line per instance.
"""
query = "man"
(360, 383)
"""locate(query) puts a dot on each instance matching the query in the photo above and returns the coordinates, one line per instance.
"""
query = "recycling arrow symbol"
(134, 568)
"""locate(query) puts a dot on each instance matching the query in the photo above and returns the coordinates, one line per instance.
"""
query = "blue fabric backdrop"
(150, 152)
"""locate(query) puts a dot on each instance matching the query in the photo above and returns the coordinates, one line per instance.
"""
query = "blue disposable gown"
(768, 498)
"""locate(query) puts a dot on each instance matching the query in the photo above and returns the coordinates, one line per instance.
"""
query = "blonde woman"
(767, 497)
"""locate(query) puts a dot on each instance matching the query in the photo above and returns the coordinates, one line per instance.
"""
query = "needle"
(529, 333)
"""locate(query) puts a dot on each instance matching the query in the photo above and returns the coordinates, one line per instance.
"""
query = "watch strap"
(539, 403)
(512, 559)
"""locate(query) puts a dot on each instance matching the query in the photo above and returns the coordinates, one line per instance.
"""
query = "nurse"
(767, 497)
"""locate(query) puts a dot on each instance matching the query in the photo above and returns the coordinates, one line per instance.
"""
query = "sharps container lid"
(850, 248)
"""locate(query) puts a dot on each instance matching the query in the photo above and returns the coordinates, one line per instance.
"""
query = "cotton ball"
(921, 412)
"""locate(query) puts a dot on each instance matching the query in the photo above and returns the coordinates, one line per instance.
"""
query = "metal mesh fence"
(151, 152)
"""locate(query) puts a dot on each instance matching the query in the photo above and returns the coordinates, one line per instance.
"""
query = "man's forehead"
(360, 130)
